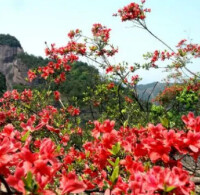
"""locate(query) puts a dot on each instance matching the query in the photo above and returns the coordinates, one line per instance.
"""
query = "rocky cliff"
(11, 67)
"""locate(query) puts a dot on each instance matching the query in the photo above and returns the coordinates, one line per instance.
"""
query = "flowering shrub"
(44, 148)
(123, 161)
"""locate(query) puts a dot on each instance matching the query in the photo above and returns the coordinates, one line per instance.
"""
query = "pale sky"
(33, 22)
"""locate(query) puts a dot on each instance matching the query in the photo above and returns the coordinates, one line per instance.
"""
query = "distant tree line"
(9, 40)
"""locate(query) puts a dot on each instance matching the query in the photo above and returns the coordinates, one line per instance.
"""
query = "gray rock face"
(11, 67)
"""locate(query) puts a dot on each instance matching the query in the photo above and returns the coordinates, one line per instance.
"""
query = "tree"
(9, 40)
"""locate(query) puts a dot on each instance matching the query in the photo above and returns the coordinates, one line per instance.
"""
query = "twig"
(119, 101)
(145, 27)
(9, 192)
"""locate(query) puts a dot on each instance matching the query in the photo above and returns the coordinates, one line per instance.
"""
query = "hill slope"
(150, 90)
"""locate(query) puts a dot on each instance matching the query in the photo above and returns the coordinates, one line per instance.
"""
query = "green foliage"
(177, 100)
(115, 149)
(2, 84)
(9, 40)
(115, 174)
(32, 61)
(188, 99)
(30, 184)
(19, 87)
(26, 135)
(79, 79)
(164, 122)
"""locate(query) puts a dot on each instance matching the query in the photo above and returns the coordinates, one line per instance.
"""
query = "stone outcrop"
(11, 67)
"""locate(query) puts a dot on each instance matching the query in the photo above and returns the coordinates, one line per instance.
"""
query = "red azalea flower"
(109, 69)
(110, 85)
(70, 184)
(57, 95)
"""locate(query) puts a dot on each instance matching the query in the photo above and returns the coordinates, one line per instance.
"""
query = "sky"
(33, 22)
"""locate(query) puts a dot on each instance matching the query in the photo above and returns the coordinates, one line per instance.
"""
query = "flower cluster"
(169, 93)
(111, 85)
(73, 33)
(179, 58)
(134, 79)
(157, 55)
(62, 58)
(185, 49)
(73, 111)
(101, 32)
(133, 11)
(25, 96)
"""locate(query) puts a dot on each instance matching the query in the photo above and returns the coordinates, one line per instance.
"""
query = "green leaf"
(116, 162)
(125, 123)
(109, 168)
(192, 193)
(58, 148)
(182, 54)
(87, 154)
(115, 149)
(29, 178)
(123, 111)
(115, 174)
(165, 122)
(30, 184)
(78, 120)
(111, 162)
(23, 139)
(169, 188)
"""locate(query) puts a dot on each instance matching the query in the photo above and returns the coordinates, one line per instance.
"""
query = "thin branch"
(145, 27)
(138, 101)
(8, 189)
(143, 93)
(119, 101)
(147, 103)
(95, 60)
(5, 184)
(92, 191)
(91, 111)
(61, 103)
(151, 93)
